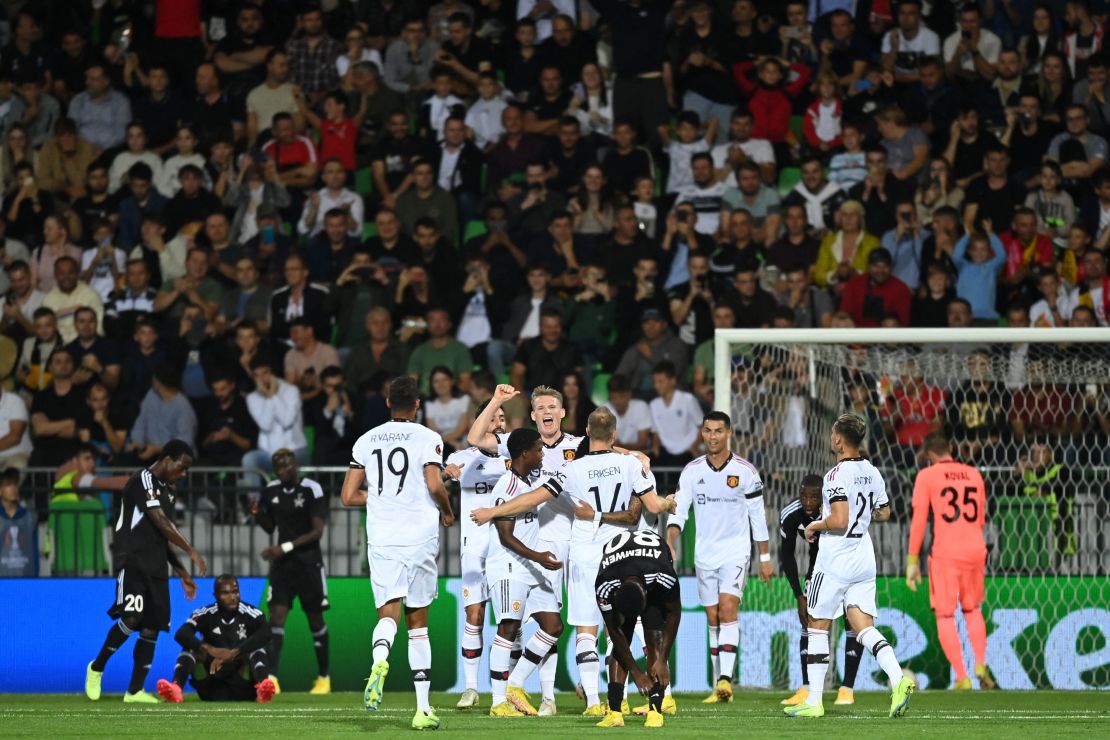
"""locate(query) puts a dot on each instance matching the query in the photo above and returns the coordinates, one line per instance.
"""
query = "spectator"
(16, 148)
(133, 301)
(29, 206)
(967, 145)
(409, 59)
(243, 52)
(273, 97)
(195, 288)
(820, 197)
(1028, 253)
(939, 192)
(904, 47)
(1052, 482)
(294, 155)
(1052, 205)
(1094, 290)
(844, 252)
(760, 201)
(675, 417)
(333, 417)
(458, 165)
(681, 148)
(657, 343)
(527, 308)
(32, 373)
(1080, 152)
(214, 114)
(700, 48)
(626, 162)
(795, 249)
(972, 51)
(355, 51)
(299, 298)
(905, 243)
(136, 151)
(546, 106)
(96, 358)
(18, 530)
(464, 53)
(165, 414)
(592, 105)
(391, 249)
(227, 429)
(160, 109)
(547, 358)
(633, 415)
(96, 204)
(751, 304)
(15, 439)
(848, 168)
(912, 410)
(275, 407)
(577, 402)
(64, 160)
(812, 306)
(724, 317)
(771, 94)
(21, 301)
(440, 349)
(312, 57)
(691, 303)
(561, 252)
(930, 305)
(256, 191)
(69, 295)
(381, 353)
(191, 205)
(53, 425)
(333, 196)
(331, 250)
(447, 411)
(531, 210)
(993, 196)
(570, 156)
(101, 113)
(144, 201)
(307, 358)
(426, 199)
(978, 258)
(823, 120)
(483, 117)
(639, 46)
(186, 155)
(869, 298)
(879, 192)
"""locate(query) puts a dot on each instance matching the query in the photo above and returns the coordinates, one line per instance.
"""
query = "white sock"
(549, 666)
(518, 648)
(819, 664)
(420, 661)
(638, 632)
(471, 653)
(499, 667)
(667, 691)
(714, 651)
(534, 652)
(589, 667)
(728, 644)
(384, 633)
(873, 640)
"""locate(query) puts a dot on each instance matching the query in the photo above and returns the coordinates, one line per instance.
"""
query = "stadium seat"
(473, 229)
(364, 181)
(369, 229)
(599, 393)
(788, 178)
(77, 529)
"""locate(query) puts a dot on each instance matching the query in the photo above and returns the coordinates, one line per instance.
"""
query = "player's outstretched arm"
(631, 515)
(439, 494)
(162, 523)
(657, 504)
(478, 434)
(508, 539)
(516, 505)
(352, 494)
(622, 652)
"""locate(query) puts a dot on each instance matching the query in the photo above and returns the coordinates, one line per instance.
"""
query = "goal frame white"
(723, 339)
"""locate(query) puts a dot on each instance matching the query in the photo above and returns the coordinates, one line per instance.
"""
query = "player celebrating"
(143, 535)
(477, 472)
(794, 519)
(400, 462)
(853, 495)
(636, 580)
(957, 498)
(298, 509)
(727, 496)
(232, 642)
(515, 572)
(554, 516)
(616, 485)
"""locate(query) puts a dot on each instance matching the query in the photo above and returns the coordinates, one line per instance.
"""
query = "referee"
(298, 509)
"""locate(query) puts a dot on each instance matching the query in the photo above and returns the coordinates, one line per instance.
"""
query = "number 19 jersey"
(399, 509)
(850, 555)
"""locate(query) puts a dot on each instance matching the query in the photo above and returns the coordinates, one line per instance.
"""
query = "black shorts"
(145, 595)
(654, 616)
(227, 686)
(291, 579)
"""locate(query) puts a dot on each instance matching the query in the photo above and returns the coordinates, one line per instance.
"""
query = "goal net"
(1029, 407)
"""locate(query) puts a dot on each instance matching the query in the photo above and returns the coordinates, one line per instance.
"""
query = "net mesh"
(1034, 418)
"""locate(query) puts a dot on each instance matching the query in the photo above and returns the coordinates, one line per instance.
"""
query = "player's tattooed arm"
(516, 505)
(479, 434)
(657, 504)
(353, 493)
(508, 539)
(162, 523)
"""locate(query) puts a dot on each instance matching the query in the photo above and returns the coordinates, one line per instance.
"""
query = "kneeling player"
(517, 585)
(636, 580)
(231, 646)
(795, 517)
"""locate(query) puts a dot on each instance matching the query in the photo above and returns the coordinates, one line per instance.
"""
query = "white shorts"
(406, 572)
(554, 578)
(829, 597)
(513, 599)
(582, 610)
(728, 579)
(473, 579)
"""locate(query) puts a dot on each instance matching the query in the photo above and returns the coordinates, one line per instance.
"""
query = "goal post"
(1030, 407)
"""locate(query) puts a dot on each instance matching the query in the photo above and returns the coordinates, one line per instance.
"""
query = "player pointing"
(957, 498)
(400, 463)
(853, 495)
(727, 495)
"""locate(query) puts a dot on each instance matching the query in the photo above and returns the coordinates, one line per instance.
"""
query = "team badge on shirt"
(733, 481)
(516, 606)
(568, 454)
(466, 593)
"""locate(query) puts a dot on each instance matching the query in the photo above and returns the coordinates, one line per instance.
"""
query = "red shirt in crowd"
(337, 141)
(770, 107)
(1039, 254)
(290, 156)
(893, 293)
(919, 406)
(177, 19)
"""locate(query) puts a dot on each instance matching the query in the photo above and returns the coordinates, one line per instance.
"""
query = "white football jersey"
(399, 508)
(728, 510)
(501, 562)
(607, 481)
(480, 473)
(556, 514)
(850, 556)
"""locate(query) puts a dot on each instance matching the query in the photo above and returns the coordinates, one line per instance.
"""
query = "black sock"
(853, 652)
(185, 664)
(113, 642)
(320, 643)
(260, 667)
(144, 656)
(616, 696)
(655, 698)
(803, 651)
(277, 640)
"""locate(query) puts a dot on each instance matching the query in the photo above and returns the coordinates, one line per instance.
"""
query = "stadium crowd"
(233, 222)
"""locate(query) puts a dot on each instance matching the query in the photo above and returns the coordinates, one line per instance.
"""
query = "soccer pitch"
(932, 714)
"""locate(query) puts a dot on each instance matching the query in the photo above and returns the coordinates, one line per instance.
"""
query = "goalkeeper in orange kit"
(956, 497)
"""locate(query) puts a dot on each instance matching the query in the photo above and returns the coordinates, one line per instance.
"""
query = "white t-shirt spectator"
(343, 62)
(278, 418)
(543, 22)
(635, 420)
(101, 280)
(328, 202)
(911, 51)
(676, 425)
(12, 409)
(446, 416)
(682, 172)
(757, 150)
(484, 118)
(707, 203)
(1040, 315)
(989, 46)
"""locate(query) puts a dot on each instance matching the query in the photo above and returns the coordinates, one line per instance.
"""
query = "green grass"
(932, 714)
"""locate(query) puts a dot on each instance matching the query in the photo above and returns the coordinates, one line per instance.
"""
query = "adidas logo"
(701, 482)
(481, 466)
(419, 676)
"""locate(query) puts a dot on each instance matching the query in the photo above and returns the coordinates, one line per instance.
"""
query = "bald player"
(955, 495)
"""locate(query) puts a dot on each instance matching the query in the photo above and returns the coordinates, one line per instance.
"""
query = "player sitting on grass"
(636, 580)
(517, 584)
(233, 636)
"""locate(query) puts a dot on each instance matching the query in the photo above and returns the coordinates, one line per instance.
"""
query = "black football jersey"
(641, 553)
(793, 521)
(224, 629)
(292, 510)
(138, 543)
